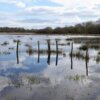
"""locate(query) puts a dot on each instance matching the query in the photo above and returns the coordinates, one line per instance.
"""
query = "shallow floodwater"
(44, 67)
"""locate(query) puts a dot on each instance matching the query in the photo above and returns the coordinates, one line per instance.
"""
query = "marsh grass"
(27, 45)
(15, 41)
(5, 53)
(64, 44)
(5, 43)
(99, 53)
(30, 51)
(17, 83)
(85, 40)
(98, 57)
(33, 80)
(83, 47)
(11, 48)
(79, 55)
(9, 97)
(89, 46)
(77, 77)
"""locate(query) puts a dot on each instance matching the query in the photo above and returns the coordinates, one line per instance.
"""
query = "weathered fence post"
(56, 52)
(71, 55)
(17, 51)
(38, 51)
(86, 61)
(49, 52)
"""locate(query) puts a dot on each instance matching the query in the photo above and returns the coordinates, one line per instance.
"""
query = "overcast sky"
(43, 13)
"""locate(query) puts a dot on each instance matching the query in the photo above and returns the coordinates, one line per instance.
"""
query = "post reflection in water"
(71, 55)
(87, 61)
(49, 52)
(56, 52)
(38, 51)
(17, 52)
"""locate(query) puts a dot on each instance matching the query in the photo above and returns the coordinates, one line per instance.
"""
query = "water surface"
(44, 67)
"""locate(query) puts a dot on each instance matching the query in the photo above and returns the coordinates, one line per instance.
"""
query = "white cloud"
(20, 4)
(17, 3)
(75, 3)
(70, 13)
(45, 9)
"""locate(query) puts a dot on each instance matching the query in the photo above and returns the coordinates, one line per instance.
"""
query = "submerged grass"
(5, 43)
(5, 53)
(33, 80)
(83, 47)
(79, 55)
(98, 57)
(89, 46)
(11, 48)
(29, 51)
(77, 77)
(9, 97)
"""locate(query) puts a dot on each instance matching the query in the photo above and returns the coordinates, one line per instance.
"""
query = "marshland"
(49, 49)
(49, 67)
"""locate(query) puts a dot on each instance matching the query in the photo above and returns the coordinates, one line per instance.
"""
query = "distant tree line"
(8, 29)
(84, 28)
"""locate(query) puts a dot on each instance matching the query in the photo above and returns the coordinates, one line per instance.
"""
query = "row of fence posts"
(57, 52)
(49, 52)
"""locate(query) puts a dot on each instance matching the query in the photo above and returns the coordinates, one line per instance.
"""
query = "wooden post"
(71, 55)
(56, 52)
(49, 52)
(38, 51)
(17, 52)
(86, 61)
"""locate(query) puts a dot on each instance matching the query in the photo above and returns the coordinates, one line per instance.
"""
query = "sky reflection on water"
(52, 71)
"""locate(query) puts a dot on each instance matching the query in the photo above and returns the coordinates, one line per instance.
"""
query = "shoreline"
(27, 33)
